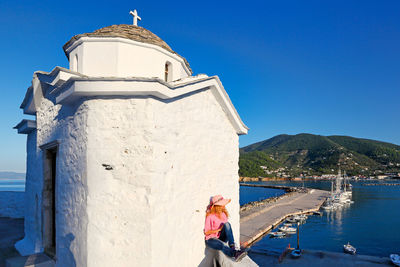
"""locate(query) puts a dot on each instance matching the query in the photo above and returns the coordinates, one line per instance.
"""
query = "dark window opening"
(166, 72)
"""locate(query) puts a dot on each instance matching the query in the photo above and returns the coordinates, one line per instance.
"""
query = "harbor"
(259, 220)
(322, 238)
(322, 258)
(337, 227)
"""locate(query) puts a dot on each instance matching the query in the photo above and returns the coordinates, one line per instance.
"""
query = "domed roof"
(131, 32)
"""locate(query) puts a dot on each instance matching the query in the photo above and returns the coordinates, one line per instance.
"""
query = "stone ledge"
(217, 258)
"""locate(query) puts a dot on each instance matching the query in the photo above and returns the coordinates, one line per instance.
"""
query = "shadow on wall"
(68, 253)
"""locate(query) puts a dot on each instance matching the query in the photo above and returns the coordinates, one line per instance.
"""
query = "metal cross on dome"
(135, 17)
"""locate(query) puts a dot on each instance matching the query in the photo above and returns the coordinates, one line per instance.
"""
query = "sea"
(15, 185)
(371, 223)
(249, 194)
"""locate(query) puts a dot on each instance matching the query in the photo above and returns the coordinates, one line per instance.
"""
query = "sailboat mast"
(338, 182)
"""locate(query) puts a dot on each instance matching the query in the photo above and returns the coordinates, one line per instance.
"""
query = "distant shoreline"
(264, 179)
(12, 175)
(299, 179)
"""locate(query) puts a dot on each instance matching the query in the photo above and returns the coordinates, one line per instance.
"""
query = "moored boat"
(349, 249)
(341, 191)
(395, 258)
(297, 217)
(286, 229)
(303, 217)
(328, 207)
(291, 220)
(337, 205)
(277, 234)
(348, 194)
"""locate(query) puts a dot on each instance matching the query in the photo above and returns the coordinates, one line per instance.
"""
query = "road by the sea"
(370, 224)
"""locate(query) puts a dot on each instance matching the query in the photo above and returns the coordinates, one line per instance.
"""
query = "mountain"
(11, 175)
(309, 154)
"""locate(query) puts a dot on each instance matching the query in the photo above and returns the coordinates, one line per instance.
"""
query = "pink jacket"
(213, 222)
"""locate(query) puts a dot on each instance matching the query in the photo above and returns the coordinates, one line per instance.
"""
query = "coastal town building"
(124, 151)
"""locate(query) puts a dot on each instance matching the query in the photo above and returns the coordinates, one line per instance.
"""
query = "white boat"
(395, 258)
(341, 191)
(287, 224)
(286, 229)
(340, 198)
(291, 220)
(343, 198)
(349, 249)
(345, 202)
(299, 218)
(277, 234)
(348, 194)
(328, 207)
(337, 205)
(303, 217)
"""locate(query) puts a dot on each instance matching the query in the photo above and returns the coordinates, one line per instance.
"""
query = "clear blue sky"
(322, 67)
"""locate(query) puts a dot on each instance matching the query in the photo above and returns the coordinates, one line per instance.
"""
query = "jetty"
(382, 184)
(257, 220)
(321, 258)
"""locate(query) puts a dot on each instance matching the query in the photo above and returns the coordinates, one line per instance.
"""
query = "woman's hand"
(214, 231)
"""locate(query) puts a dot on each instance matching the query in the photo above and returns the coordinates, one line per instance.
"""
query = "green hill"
(308, 154)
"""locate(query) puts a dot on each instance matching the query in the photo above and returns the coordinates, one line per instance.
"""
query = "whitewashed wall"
(32, 242)
(71, 187)
(168, 158)
(119, 134)
(118, 57)
(196, 153)
(66, 124)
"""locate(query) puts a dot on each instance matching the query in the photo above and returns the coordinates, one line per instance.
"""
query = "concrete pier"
(257, 221)
(317, 258)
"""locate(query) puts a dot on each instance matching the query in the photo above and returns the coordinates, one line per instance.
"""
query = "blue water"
(17, 185)
(250, 194)
(371, 224)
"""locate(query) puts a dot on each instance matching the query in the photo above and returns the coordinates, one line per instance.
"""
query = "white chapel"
(124, 150)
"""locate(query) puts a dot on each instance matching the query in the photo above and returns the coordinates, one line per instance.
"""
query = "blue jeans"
(220, 243)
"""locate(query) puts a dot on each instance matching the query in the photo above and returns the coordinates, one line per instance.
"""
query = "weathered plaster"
(167, 159)
(66, 124)
(138, 158)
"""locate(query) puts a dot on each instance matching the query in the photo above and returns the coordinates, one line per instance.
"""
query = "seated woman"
(217, 229)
